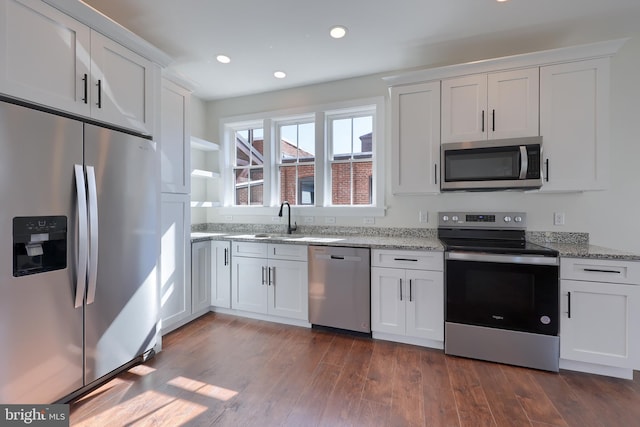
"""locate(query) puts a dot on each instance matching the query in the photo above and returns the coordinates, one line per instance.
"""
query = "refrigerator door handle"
(83, 251)
(93, 235)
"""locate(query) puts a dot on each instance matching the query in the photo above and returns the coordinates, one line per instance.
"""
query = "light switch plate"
(330, 220)
(558, 218)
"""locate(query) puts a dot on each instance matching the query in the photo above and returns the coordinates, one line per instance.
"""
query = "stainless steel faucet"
(295, 224)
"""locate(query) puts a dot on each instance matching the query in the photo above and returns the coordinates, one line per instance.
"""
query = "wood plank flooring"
(222, 370)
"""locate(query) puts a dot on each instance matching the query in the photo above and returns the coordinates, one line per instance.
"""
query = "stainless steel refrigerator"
(78, 253)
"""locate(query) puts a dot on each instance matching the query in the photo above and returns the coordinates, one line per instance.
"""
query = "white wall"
(612, 217)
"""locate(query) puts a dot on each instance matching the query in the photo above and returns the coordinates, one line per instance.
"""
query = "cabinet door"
(574, 124)
(513, 103)
(288, 289)
(425, 304)
(175, 286)
(249, 284)
(600, 323)
(201, 276)
(175, 145)
(44, 56)
(416, 138)
(464, 109)
(122, 86)
(221, 284)
(388, 300)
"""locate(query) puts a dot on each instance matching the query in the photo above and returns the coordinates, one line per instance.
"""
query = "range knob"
(445, 218)
(507, 219)
(455, 218)
(518, 219)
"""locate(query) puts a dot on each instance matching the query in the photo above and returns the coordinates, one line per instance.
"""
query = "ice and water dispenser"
(39, 244)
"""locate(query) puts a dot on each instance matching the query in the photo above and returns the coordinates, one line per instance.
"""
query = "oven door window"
(518, 297)
(482, 164)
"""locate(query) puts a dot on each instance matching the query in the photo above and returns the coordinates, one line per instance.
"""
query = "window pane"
(362, 183)
(242, 148)
(341, 183)
(257, 147)
(288, 186)
(341, 138)
(242, 196)
(362, 134)
(306, 191)
(307, 140)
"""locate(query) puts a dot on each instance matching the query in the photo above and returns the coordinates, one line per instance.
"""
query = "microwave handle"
(524, 162)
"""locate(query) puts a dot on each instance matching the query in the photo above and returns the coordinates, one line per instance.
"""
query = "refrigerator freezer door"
(40, 329)
(121, 321)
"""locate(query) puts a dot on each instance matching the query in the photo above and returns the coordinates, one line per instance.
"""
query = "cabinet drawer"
(289, 252)
(414, 260)
(249, 249)
(597, 270)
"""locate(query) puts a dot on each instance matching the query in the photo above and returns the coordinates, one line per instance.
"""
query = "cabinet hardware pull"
(569, 305)
(272, 276)
(336, 257)
(263, 280)
(226, 254)
(482, 121)
(99, 84)
(546, 165)
(85, 79)
(410, 290)
(599, 270)
(493, 120)
(435, 173)
(405, 259)
(400, 288)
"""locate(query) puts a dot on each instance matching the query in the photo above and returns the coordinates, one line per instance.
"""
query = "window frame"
(322, 207)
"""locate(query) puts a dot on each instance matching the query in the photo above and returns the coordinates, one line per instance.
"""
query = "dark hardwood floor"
(222, 370)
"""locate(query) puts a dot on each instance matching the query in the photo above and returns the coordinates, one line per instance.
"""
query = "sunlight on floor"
(204, 389)
(148, 408)
(142, 370)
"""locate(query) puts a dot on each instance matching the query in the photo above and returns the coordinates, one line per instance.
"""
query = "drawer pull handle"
(405, 259)
(600, 270)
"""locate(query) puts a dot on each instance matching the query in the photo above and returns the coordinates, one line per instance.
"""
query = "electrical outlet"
(558, 218)
(276, 219)
(308, 220)
(228, 218)
(368, 220)
(423, 216)
(330, 220)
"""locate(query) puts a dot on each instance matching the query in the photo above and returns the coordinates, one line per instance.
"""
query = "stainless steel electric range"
(502, 292)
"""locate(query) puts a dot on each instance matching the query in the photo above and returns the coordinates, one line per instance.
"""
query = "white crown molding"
(108, 27)
(545, 57)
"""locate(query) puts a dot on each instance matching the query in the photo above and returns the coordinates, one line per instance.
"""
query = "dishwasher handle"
(338, 257)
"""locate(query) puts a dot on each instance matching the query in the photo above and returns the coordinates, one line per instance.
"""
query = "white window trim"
(268, 121)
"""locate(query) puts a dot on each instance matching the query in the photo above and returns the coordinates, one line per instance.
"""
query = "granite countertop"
(373, 242)
(568, 245)
(585, 250)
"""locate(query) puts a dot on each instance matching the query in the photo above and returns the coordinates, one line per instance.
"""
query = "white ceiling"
(262, 36)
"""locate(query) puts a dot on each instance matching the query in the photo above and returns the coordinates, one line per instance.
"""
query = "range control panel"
(501, 220)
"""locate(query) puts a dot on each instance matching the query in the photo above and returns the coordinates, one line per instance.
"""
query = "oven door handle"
(501, 258)
(524, 162)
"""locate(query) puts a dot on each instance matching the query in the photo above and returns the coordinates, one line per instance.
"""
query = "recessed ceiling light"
(279, 74)
(224, 59)
(502, 1)
(338, 32)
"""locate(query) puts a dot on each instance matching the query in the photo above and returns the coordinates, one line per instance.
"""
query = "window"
(249, 167)
(297, 163)
(323, 160)
(351, 160)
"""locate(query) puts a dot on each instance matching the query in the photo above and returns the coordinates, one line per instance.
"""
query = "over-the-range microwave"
(500, 164)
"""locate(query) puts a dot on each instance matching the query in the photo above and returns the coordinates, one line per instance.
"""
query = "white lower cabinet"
(600, 316)
(407, 297)
(201, 276)
(221, 275)
(270, 279)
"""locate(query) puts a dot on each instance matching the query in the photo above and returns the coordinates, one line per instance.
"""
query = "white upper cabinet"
(44, 56)
(51, 59)
(574, 125)
(416, 138)
(490, 106)
(122, 85)
(174, 138)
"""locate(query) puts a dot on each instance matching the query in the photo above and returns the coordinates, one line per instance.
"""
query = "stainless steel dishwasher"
(340, 288)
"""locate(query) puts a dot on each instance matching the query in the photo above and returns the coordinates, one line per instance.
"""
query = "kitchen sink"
(312, 239)
(288, 238)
